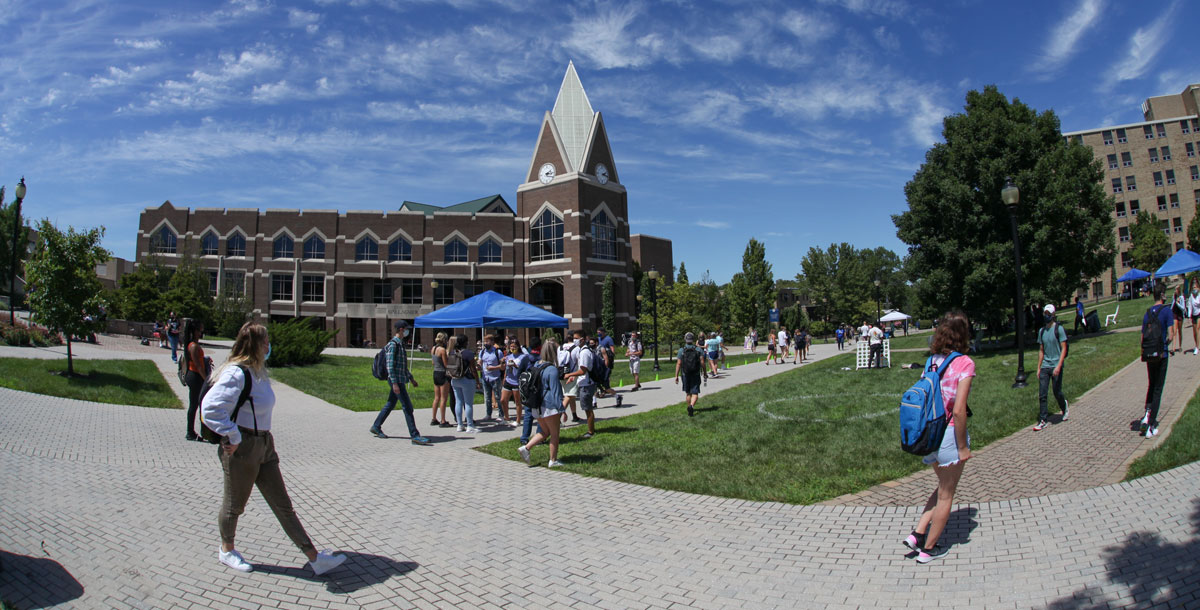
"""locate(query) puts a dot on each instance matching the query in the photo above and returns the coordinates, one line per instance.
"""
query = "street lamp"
(434, 284)
(639, 313)
(1011, 196)
(653, 274)
(12, 272)
(878, 313)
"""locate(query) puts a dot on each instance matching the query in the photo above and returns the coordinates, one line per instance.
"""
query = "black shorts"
(439, 378)
(1175, 309)
(510, 387)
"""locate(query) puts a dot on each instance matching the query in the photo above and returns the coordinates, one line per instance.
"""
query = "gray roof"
(573, 116)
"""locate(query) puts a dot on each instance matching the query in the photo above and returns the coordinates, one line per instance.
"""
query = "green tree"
(188, 291)
(1151, 247)
(680, 311)
(140, 294)
(681, 277)
(230, 311)
(7, 213)
(63, 291)
(1193, 231)
(752, 290)
(958, 229)
(608, 317)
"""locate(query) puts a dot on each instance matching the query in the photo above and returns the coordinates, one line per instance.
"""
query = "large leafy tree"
(188, 291)
(1151, 247)
(958, 229)
(841, 281)
(752, 290)
(63, 290)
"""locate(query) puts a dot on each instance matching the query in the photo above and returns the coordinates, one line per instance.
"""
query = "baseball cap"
(1048, 309)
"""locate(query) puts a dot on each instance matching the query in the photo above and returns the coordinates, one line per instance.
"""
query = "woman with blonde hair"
(552, 407)
(953, 335)
(238, 407)
(441, 383)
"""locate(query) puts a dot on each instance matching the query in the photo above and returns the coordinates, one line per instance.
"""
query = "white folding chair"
(1112, 317)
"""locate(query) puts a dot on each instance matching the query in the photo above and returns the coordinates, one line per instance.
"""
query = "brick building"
(1152, 166)
(358, 271)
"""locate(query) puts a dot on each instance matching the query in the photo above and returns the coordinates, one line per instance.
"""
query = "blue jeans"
(405, 404)
(464, 397)
(527, 425)
(491, 390)
(174, 341)
(1046, 381)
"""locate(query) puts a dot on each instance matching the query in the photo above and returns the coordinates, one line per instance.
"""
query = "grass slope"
(122, 382)
(1181, 447)
(829, 432)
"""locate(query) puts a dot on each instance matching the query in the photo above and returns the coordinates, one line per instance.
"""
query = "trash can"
(1092, 321)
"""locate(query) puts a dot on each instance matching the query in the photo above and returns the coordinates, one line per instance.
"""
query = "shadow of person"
(36, 582)
(959, 527)
(360, 570)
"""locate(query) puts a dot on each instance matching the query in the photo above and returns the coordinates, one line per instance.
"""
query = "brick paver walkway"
(107, 506)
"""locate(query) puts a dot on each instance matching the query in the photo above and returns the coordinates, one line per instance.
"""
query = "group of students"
(779, 348)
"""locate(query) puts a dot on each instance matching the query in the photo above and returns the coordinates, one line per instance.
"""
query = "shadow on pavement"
(36, 582)
(1155, 573)
(360, 570)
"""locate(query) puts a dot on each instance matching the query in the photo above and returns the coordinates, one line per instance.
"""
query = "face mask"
(268, 356)
(406, 333)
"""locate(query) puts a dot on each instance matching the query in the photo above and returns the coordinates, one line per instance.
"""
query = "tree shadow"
(1153, 570)
(580, 459)
(36, 582)
(359, 571)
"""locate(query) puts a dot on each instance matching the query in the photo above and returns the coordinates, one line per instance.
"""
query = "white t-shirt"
(863, 330)
(876, 336)
(1193, 305)
(783, 337)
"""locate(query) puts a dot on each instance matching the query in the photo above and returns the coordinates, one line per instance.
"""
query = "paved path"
(106, 506)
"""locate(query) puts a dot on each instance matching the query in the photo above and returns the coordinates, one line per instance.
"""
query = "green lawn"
(810, 434)
(122, 382)
(1181, 447)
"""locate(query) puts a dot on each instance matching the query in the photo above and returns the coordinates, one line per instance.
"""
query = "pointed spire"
(573, 116)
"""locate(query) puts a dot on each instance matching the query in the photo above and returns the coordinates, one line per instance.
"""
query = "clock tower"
(575, 215)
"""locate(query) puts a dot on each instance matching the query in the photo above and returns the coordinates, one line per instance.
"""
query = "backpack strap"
(244, 396)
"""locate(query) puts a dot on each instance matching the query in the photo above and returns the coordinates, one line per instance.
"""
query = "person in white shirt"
(1193, 306)
(247, 450)
(784, 348)
(875, 336)
(863, 330)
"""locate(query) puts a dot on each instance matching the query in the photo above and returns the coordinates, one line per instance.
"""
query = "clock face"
(546, 173)
(602, 173)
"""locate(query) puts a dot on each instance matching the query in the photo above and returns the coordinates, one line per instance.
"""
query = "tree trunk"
(70, 362)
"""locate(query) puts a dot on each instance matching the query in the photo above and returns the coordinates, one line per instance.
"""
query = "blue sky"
(794, 122)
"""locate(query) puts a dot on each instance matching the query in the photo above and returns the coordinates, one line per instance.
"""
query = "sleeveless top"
(191, 363)
(438, 365)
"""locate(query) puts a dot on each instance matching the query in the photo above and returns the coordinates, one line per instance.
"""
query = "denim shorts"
(947, 454)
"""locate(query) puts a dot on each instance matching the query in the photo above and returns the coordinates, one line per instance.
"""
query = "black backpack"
(207, 433)
(691, 360)
(379, 366)
(598, 369)
(529, 382)
(1152, 337)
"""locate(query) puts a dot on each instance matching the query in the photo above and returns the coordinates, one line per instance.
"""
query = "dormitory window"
(399, 250)
(314, 248)
(1178, 246)
(1125, 259)
(1120, 209)
(212, 283)
(1112, 162)
(1153, 152)
(1108, 138)
(455, 251)
(1158, 179)
(1191, 150)
(383, 292)
(164, 241)
(489, 251)
(1175, 200)
(1149, 131)
(1165, 226)
(1116, 182)
(1134, 207)
(208, 244)
(1121, 136)
(1170, 176)
(235, 245)
(366, 249)
(1183, 126)
(1162, 130)
(312, 288)
(1195, 169)
(604, 238)
(1130, 183)
(281, 286)
(472, 288)
(1177, 225)
(1162, 203)
(1166, 153)
(352, 290)
(410, 291)
(1126, 159)
(1123, 232)
(284, 247)
(546, 237)
(235, 283)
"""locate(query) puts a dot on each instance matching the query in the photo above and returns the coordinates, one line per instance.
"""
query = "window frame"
(382, 292)
(277, 281)
(409, 296)
(275, 247)
(494, 252)
(405, 253)
(357, 294)
(455, 250)
(164, 241)
(309, 251)
(546, 236)
(444, 293)
(235, 244)
(306, 282)
(604, 237)
(371, 247)
(210, 237)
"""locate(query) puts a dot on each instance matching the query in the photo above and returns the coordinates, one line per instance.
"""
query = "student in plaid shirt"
(398, 377)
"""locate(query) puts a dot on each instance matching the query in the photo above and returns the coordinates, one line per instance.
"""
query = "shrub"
(24, 336)
(229, 313)
(820, 328)
(296, 342)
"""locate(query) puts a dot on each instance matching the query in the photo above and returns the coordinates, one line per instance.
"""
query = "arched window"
(604, 238)
(399, 250)
(163, 242)
(208, 244)
(235, 245)
(367, 249)
(456, 251)
(546, 237)
(314, 247)
(284, 247)
(489, 251)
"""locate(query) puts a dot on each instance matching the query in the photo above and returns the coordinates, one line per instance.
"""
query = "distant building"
(112, 270)
(1150, 166)
(358, 271)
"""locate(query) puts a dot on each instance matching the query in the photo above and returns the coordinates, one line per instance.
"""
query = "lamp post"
(434, 284)
(653, 274)
(878, 313)
(639, 313)
(1011, 196)
(12, 272)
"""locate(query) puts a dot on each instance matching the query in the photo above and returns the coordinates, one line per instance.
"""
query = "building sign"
(368, 310)
(774, 315)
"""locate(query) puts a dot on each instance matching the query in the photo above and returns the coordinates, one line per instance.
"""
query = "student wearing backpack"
(491, 364)
(551, 405)
(713, 346)
(634, 350)
(535, 356)
(568, 362)
(1155, 323)
(196, 372)
(586, 380)
(1177, 308)
(247, 450)
(1052, 352)
(689, 363)
(841, 337)
(1193, 306)
(952, 335)
(464, 380)
(398, 376)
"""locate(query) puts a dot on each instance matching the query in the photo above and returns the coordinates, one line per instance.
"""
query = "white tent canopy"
(895, 316)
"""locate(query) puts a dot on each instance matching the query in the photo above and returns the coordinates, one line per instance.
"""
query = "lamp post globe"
(434, 285)
(653, 274)
(1011, 196)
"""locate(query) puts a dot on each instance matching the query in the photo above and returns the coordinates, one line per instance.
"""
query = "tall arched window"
(604, 238)
(546, 237)
(163, 242)
(367, 249)
(489, 251)
(284, 247)
(235, 245)
(399, 250)
(456, 251)
(314, 247)
(208, 244)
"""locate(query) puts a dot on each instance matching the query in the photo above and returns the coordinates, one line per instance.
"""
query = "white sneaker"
(234, 560)
(1146, 419)
(462, 428)
(554, 464)
(1066, 413)
(325, 562)
(514, 423)
(524, 454)
(1151, 432)
(472, 430)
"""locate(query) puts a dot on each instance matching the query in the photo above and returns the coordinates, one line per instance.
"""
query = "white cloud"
(714, 107)
(448, 113)
(1144, 46)
(808, 27)
(1065, 37)
(888, 40)
(115, 76)
(712, 224)
(602, 37)
(299, 18)
(878, 8)
(146, 44)
(270, 93)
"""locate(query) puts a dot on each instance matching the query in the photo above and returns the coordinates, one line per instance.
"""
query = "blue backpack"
(922, 413)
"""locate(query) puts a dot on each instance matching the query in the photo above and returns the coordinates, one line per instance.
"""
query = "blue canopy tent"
(1184, 261)
(1133, 275)
(493, 309)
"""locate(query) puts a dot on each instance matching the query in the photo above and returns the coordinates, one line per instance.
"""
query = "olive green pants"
(255, 463)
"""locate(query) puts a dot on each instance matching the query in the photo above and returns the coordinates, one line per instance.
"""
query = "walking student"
(952, 335)
(1052, 353)
(875, 337)
(247, 450)
(770, 347)
(464, 380)
(586, 386)
(552, 400)
(533, 357)
(197, 373)
(568, 361)
(783, 345)
(491, 362)
(713, 347)
(689, 363)
(1178, 303)
(1193, 304)
(840, 333)
(1079, 316)
(634, 351)
(441, 382)
(173, 335)
(398, 377)
(1156, 368)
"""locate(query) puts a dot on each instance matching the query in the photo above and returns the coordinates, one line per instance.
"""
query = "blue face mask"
(268, 356)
